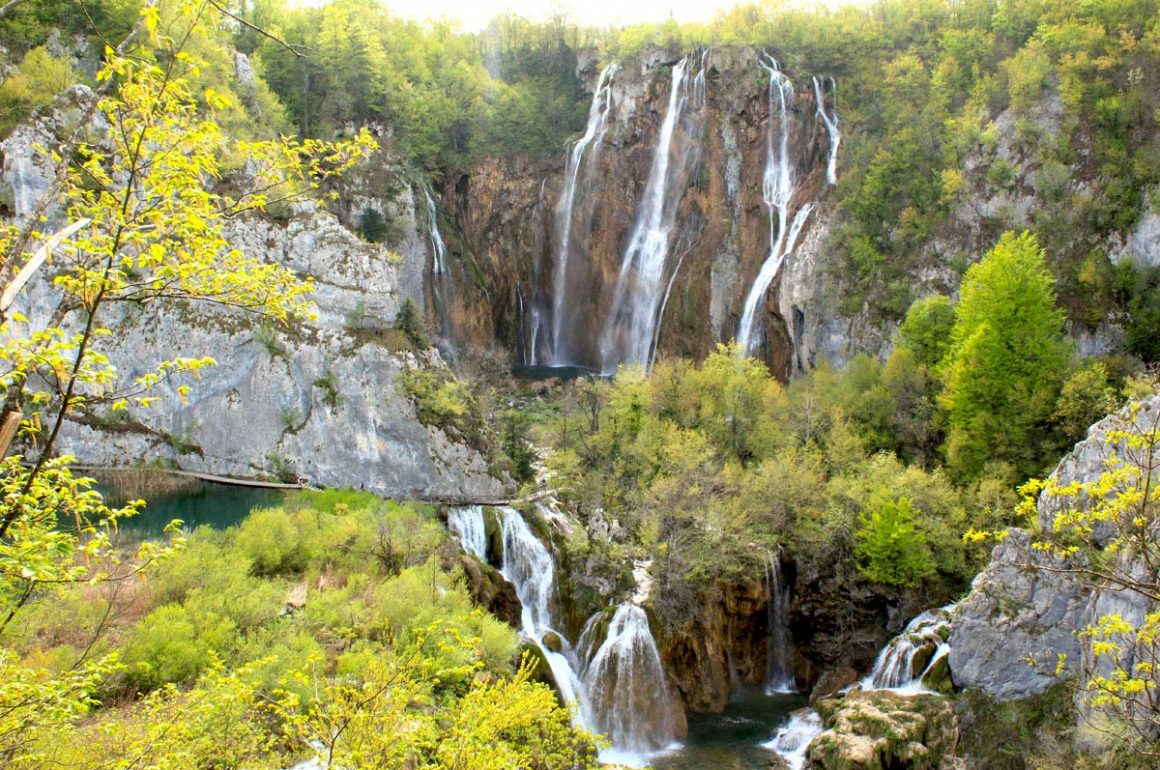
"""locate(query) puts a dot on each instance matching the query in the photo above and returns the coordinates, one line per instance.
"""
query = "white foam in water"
(791, 741)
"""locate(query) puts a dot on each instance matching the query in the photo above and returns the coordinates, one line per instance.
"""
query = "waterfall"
(904, 662)
(629, 329)
(628, 698)
(792, 740)
(559, 354)
(622, 692)
(778, 671)
(438, 247)
(23, 199)
(442, 284)
(778, 189)
(769, 270)
(528, 565)
(830, 118)
(467, 523)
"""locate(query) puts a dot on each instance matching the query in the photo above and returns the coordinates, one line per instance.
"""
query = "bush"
(890, 547)
(271, 541)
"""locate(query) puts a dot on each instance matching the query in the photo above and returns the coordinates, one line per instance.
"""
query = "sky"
(474, 14)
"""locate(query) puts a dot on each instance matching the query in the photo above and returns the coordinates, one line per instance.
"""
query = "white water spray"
(629, 330)
(904, 662)
(528, 565)
(593, 136)
(628, 697)
(468, 524)
(792, 740)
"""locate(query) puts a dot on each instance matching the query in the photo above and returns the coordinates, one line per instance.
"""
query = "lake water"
(731, 741)
(217, 505)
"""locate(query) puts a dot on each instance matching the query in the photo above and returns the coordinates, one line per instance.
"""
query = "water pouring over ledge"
(618, 687)
(559, 352)
(630, 329)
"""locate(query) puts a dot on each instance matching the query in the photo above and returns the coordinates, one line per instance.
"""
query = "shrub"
(890, 547)
(271, 542)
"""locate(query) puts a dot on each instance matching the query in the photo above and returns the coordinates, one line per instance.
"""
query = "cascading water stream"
(778, 672)
(792, 740)
(622, 692)
(628, 698)
(438, 247)
(528, 565)
(559, 353)
(830, 119)
(23, 199)
(468, 524)
(902, 664)
(778, 189)
(441, 283)
(629, 331)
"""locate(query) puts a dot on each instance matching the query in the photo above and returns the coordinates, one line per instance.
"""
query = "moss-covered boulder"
(881, 730)
(491, 590)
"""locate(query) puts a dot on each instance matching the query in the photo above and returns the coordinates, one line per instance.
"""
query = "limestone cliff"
(320, 401)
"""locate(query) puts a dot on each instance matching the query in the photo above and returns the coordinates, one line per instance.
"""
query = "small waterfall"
(629, 331)
(467, 523)
(438, 247)
(628, 698)
(528, 565)
(24, 200)
(904, 662)
(778, 671)
(559, 353)
(622, 692)
(794, 738)
(830, 118)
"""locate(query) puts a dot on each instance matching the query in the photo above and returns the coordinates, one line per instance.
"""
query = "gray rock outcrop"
(1029, 604)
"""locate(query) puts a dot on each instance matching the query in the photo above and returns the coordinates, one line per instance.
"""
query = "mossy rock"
(877, 730)
(938, 678)
(493, 530)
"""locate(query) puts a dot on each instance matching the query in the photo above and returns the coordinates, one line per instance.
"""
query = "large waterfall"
(630, 329)
(559, 351)
(779, 187)
(616, 685)
(778, 671)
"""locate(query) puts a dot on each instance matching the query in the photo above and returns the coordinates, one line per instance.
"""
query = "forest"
(373, 628)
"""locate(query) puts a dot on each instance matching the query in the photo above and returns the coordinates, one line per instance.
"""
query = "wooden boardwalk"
(302, 485)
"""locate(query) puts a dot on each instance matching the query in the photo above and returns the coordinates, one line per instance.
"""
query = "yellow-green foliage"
(395, 649)
(711, 467)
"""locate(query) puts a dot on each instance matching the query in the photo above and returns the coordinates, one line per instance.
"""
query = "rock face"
(504, 215)
(320, 401)
(885, 731)
(723, 645)
(1017, 610)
